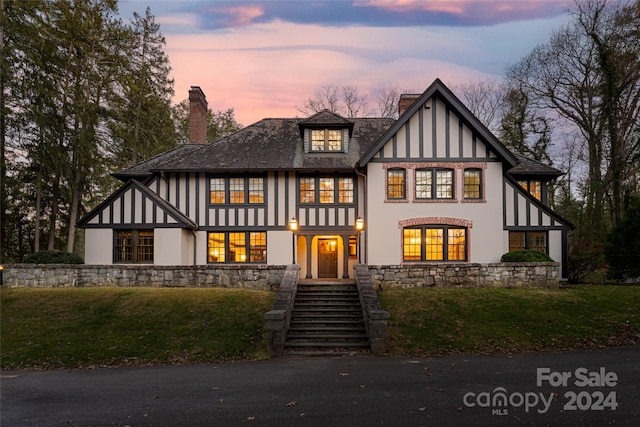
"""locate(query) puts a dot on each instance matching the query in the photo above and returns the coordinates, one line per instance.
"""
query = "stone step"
(325, 345)
(310, 329)
(318, 337)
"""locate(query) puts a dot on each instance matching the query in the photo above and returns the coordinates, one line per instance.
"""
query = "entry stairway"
(326, 320)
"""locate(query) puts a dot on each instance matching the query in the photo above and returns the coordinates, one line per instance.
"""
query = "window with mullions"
(534, 187)
(530, 240)
(237, 247)
(236, 190)
(326, 140)
(472, 184)
(134, 246)
(434, 243)
(396, 184)
(434, 184)
(325, 190)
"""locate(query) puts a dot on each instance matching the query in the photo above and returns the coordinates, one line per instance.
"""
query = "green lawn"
(446, 321)
(87, 327)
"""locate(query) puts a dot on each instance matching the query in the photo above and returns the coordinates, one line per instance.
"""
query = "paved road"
(339, 391)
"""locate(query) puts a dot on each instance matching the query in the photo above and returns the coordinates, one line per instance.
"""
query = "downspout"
(193, 232)
(366, 217)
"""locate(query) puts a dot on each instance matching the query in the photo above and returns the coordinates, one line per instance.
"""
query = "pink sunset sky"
(266, 58)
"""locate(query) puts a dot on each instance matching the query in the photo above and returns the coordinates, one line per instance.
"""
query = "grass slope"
(446, 321)
(72, 328)
(67, 328)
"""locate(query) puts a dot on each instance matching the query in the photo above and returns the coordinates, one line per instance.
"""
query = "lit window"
(345, 190)
(472, 184)
(326, 140)
(238, 190)
(237, 247)
(325, 190)
(443, 188)
(434, 243)
(396, 184)
(134, 246)
(533, 187)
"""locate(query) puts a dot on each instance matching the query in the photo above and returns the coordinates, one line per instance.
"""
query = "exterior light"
(359, 224)
(293, 224)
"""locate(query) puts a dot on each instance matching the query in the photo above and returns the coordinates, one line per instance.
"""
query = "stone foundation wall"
(503, 275)
(67, 275)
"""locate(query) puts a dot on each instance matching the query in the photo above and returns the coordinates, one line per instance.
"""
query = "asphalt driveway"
(590, 388)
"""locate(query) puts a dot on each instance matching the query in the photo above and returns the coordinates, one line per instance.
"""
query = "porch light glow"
(293, 224)
(359, 224)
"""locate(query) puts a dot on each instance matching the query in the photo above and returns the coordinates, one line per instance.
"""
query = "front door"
(327, 258)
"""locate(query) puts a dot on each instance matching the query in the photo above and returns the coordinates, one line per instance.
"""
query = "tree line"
(84, 93)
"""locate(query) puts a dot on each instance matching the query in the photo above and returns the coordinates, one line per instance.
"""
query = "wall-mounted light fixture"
(359, 224)
(293, 224)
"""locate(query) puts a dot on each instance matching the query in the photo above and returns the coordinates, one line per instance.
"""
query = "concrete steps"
(326, 320)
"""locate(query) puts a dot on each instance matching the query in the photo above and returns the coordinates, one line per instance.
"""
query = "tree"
(219, 123)
(142, 125)
(485, 99)
(622, 250)
(348, 101)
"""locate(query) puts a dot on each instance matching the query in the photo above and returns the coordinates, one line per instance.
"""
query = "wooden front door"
(327, 258)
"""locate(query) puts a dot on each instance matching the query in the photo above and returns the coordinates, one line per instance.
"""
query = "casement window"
(237, 247)
(133, 246)
(236, 190)
(396, 184)
(434, 243)
(434, 184)
(530, 240)
(326, 140)
(326, 190)
(534, 187)
(473, 184)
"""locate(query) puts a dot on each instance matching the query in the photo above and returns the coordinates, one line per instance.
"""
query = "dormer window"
(326, 140)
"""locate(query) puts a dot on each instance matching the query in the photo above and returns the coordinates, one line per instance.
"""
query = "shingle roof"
(269, 144)
(531, 167)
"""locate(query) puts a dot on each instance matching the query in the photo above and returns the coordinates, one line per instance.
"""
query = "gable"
(135, 205)
(438, 127)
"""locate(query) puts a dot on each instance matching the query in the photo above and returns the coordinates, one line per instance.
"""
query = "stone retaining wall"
(544, 275)
(503, 275)
(68, 275)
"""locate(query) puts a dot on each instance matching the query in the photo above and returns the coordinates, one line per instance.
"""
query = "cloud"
(375, 13)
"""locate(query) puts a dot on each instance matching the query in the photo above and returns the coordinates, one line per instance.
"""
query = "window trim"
(527, 240)
(445, 242)
(317, 190)
(434, 184)
(247, 247)
(481, 185)
(404, 184)
(135, 244)
(247, 190)
(327, 145)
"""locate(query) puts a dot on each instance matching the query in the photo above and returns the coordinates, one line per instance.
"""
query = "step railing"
(278, 319)
(375, 317)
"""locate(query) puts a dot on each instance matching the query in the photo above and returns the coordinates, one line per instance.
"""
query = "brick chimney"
(198, 108)
(405, 101)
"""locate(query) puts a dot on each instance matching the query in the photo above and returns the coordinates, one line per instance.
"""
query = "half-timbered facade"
(327, 192)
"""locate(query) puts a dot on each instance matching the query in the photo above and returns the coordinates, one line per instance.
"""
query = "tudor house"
(327, 192)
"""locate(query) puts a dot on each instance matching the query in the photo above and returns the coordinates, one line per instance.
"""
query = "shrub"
(622, 249)
(53, 257)
(525, 256)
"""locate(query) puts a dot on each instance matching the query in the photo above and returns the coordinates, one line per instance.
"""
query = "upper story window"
(434, 184)
(326, 190)
(236, 190)
(396, 184)
(473, 184)
(534, 187)
(326, 140)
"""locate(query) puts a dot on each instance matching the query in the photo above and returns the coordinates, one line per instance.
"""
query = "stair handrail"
(375, 317)
(279, 317)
